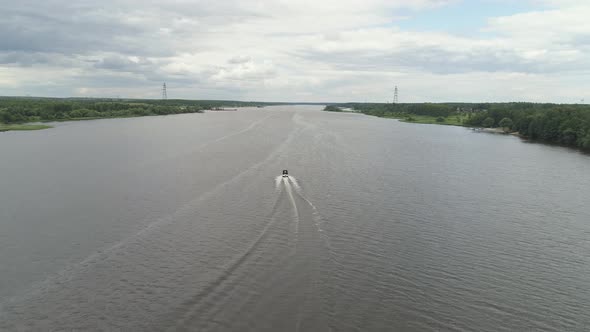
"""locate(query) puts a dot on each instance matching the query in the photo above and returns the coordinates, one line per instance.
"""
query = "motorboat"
(285, 173)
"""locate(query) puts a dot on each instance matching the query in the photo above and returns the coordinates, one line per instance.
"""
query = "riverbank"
(497, 131)
(562, 124)
(459, 120)
(332, 108)
(10, 127)
(28, 126)
(452, 120)
(426, 119)
(24, 113)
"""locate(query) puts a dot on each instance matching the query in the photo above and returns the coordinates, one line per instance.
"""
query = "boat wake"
(288, 254)
(291, 180)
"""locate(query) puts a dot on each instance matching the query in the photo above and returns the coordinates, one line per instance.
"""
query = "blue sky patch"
(462, 17)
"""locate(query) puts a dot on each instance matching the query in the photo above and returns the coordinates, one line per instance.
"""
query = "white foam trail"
(292, 198)
(317, 216)
(300, 192)
(318, 220)
(278, 181)
(295, 183)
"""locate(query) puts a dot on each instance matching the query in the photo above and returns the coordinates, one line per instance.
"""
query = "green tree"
(5, 116)
(440, 119)
(488, 122)
(584, 142)
(506, 124)
(332, 108)
(568, 136)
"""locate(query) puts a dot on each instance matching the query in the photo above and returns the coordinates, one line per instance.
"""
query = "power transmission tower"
(164, 94)
(395, 91)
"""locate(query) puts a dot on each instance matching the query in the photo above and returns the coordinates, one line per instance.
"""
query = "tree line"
(21, 110)
(384, 110)
(562, 124)
(332, 108)
(565, 124)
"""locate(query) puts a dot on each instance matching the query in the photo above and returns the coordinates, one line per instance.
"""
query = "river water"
(183, 223)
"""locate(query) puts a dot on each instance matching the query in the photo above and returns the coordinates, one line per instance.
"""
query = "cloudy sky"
(298, 50)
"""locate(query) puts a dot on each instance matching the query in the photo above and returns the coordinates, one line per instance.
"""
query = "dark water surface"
(181, 223)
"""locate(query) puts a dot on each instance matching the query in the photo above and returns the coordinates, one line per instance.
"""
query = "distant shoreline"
(425, 119)
(560, 124)
(419, 119)
(29, 113)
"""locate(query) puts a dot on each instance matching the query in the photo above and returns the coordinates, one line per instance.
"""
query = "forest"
(21, 110)
(566, 124)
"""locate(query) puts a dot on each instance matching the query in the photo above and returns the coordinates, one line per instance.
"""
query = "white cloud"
(288, 50)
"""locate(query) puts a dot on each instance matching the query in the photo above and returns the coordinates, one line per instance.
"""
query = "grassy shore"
(8, 127)
(453, 120)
